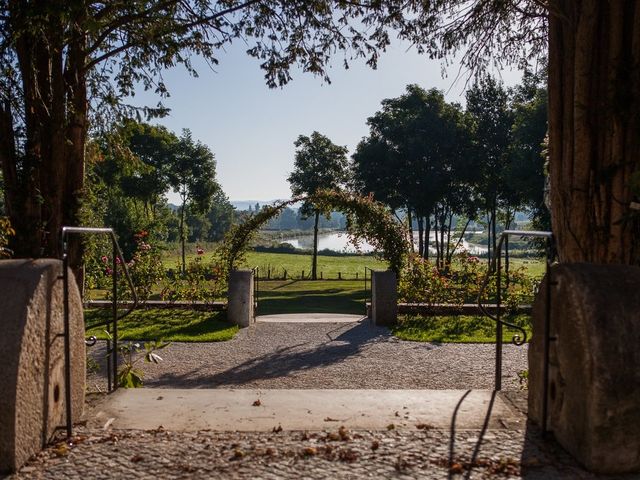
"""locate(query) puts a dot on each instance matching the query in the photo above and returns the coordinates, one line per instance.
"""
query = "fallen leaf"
(277, 429)
(108, 423)
(257, 403)
(61, 450)
(391, 426)
(456, 468)
(348, 455)
(237, 453)
(137, 458)
(424, 426)
(309, 451)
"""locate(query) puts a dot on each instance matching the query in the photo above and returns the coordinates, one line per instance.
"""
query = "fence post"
(384, 298)
(240, 302)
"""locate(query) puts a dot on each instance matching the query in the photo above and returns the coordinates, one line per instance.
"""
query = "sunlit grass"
(165, 324)
(457, 329)
(308, 296)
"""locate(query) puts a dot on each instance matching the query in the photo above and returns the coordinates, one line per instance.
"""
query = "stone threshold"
(266, 410)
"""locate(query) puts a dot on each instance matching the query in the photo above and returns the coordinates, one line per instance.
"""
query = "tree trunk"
(594, 120)
(420, 236)
(410, 226)
(43, 187)
(314, 264)
(488, 240)
(494, 229)
(427, 236)
(182, 237)
(435, 236)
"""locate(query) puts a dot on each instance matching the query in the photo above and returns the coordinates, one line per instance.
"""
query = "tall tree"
(526, 174)
(191, 173)
(416, 158)
(66, 65)
(126, 181)
(319, 164)
(488, 106)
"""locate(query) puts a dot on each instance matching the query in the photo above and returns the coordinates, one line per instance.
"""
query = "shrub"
(201, 281)
(460, 282)
(6, 231)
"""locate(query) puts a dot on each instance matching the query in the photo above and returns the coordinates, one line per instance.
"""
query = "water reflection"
(339, 242)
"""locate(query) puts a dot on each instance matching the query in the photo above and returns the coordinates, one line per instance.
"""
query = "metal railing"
(519, 339)
(111, 325)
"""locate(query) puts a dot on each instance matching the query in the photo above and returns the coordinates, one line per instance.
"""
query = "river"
(339, 242)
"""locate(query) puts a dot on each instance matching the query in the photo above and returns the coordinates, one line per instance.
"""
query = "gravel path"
(326, 355)
(335, 453)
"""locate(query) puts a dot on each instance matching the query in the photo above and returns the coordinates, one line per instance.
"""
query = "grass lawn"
(456, 329)
(535, 267)
(307, 296)
(348, 265)
(164, 324)
(294, 264)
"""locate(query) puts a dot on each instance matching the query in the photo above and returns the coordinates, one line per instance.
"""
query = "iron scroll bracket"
(496, 268)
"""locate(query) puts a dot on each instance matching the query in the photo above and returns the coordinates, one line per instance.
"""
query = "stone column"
(384, 298)
(594, 369)
(240, 306)
(32, 400)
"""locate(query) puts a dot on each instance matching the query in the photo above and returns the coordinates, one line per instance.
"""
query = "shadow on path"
(284, 361)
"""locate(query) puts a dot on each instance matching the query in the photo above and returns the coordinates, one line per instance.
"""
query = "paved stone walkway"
(422, 453)
(326, 355)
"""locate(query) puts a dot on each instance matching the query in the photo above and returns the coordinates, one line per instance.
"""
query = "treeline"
(295, 219)
(131, 169)
(439, 162)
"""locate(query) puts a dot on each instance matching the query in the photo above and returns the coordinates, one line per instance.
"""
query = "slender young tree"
(191, 174)
(319, 164)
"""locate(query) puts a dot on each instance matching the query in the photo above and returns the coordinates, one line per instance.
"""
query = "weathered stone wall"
(32, 400)
(240, 304)
(594, 376)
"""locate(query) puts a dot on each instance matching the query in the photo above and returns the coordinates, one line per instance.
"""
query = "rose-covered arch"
(367, 220)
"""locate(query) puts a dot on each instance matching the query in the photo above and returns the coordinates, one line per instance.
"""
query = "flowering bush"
(145, 268)
(421, 282)
(201, 282)
(6, 231)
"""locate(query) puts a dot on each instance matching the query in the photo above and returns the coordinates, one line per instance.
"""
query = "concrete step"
(310, 318)
(264, 410)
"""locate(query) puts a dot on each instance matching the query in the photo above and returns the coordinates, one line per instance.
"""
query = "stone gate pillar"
(384, 297)
(240, 306)
(32, 398)
(594, 369)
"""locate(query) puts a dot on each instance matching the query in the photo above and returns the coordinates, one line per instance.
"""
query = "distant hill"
(245, 204)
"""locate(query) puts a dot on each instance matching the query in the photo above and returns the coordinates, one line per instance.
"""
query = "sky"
(251, 128)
